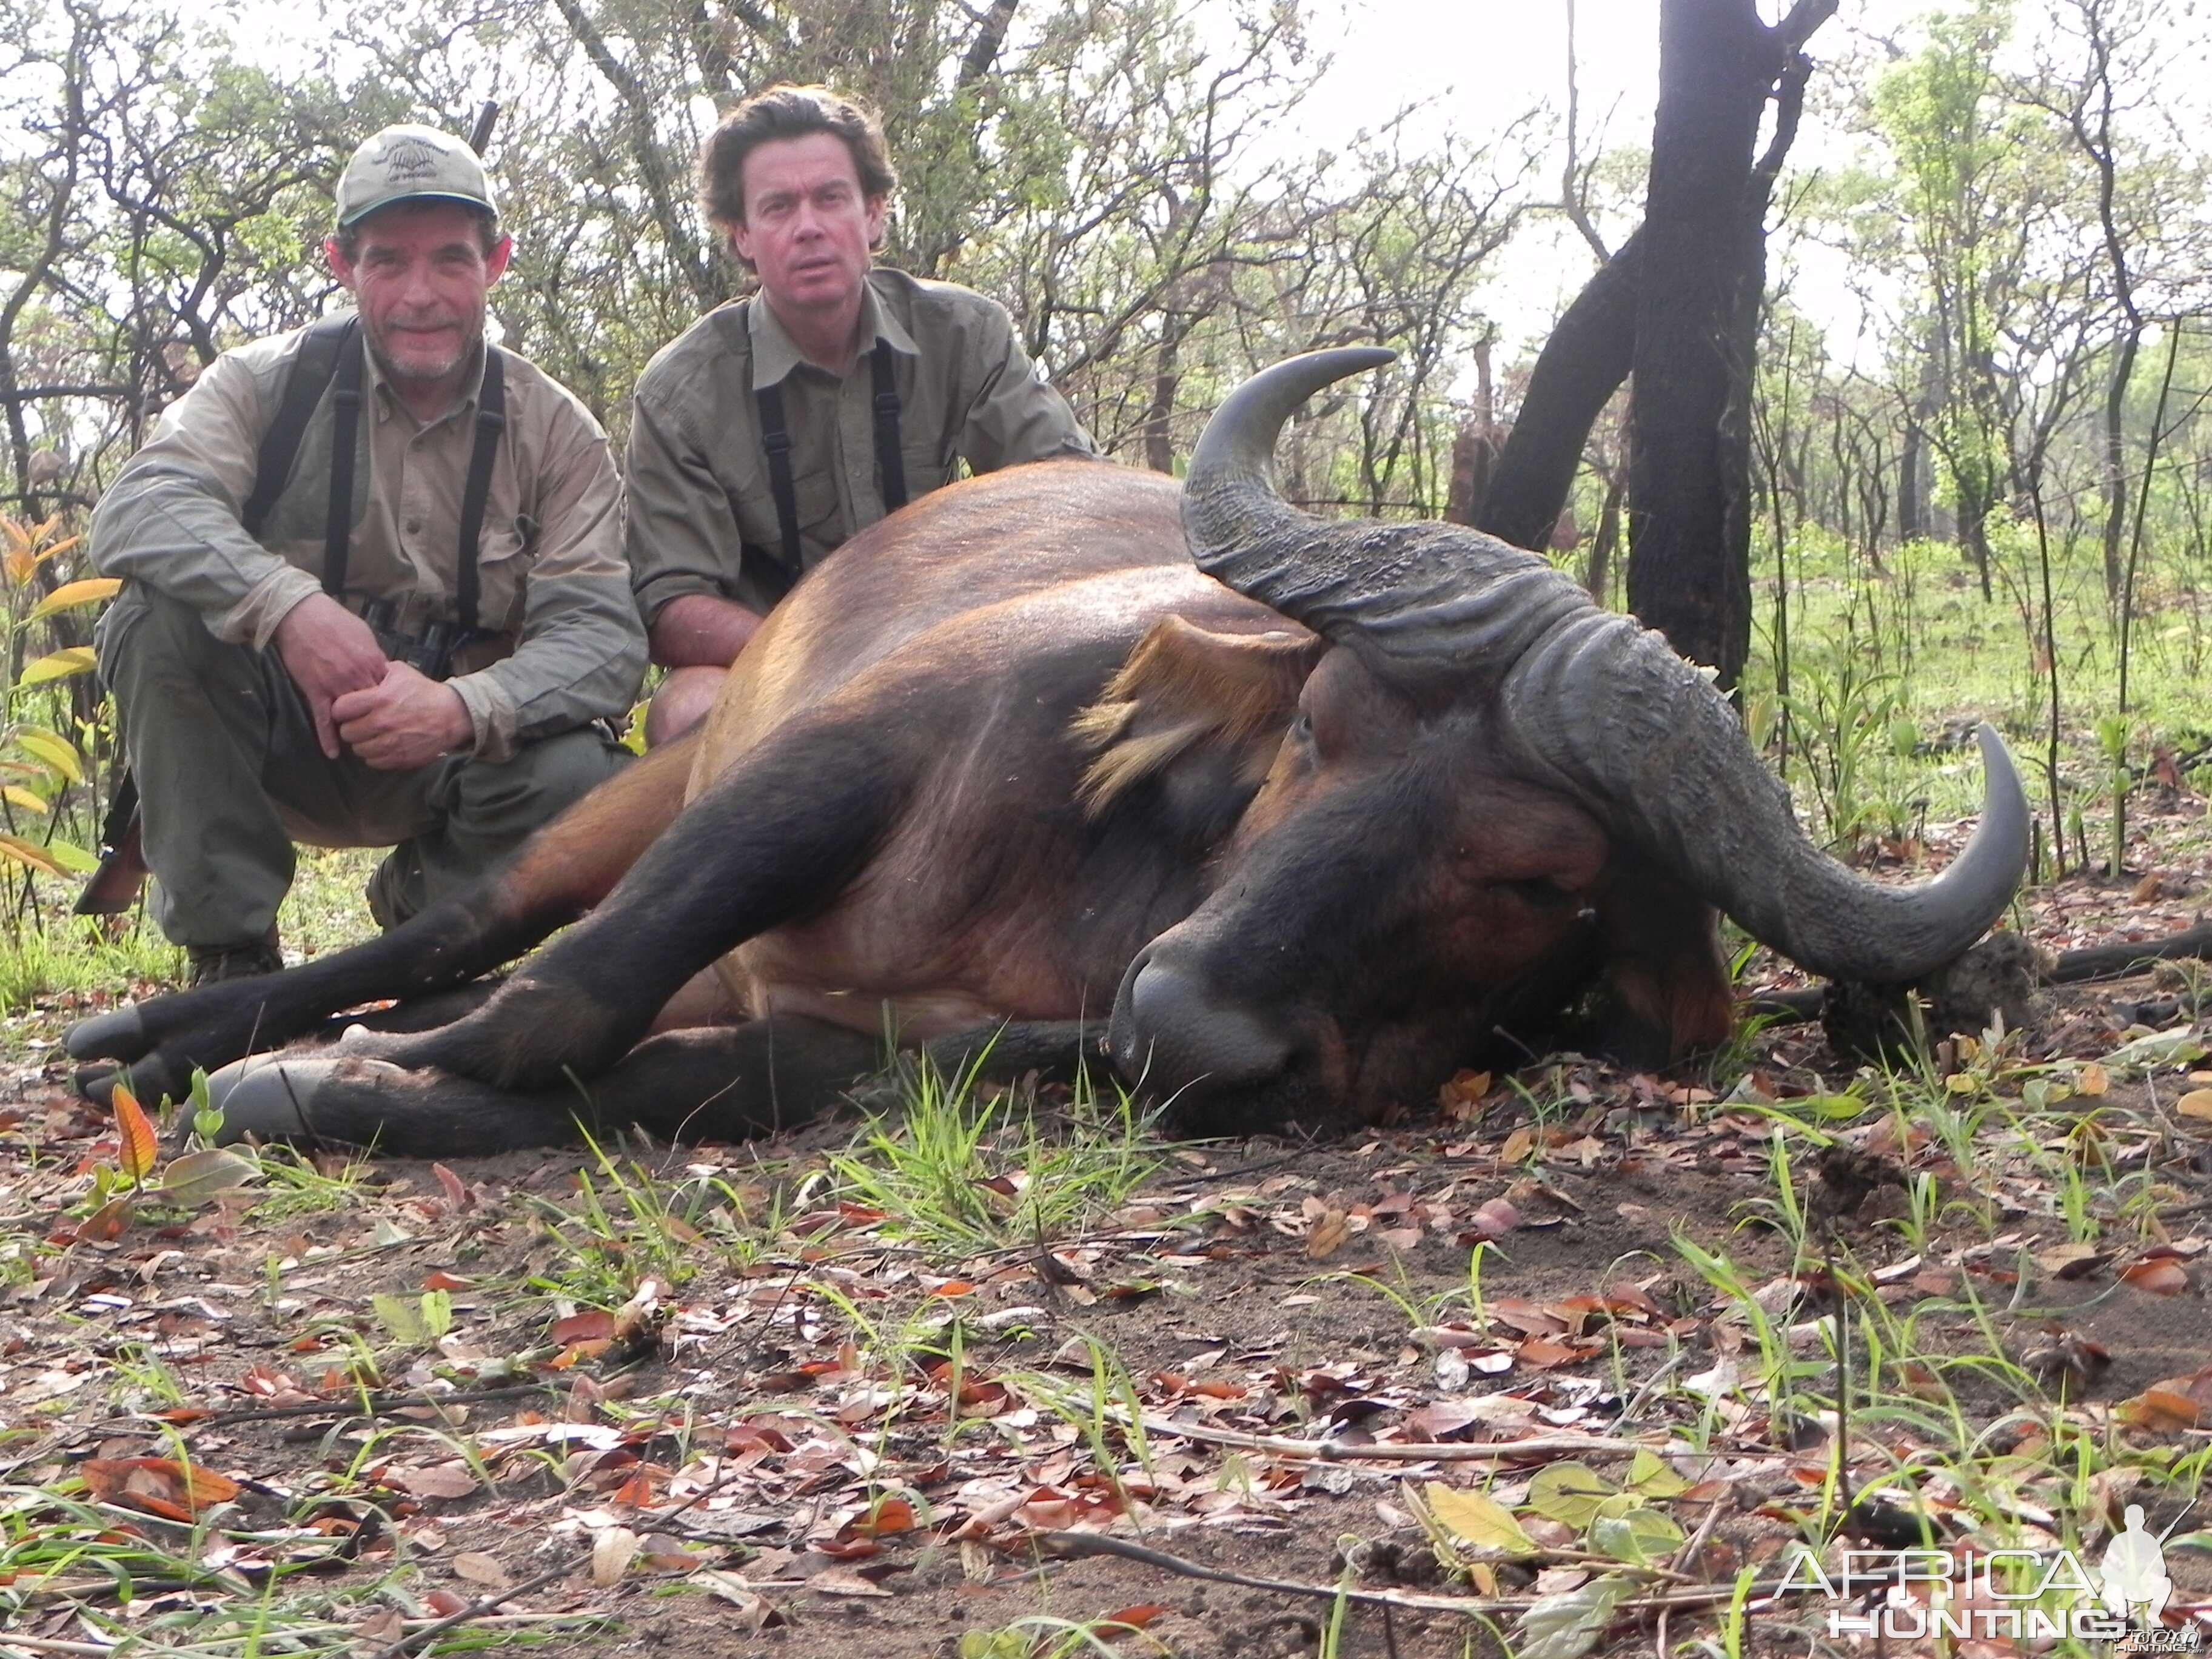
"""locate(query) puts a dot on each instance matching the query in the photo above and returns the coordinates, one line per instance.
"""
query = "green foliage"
(957, 1168)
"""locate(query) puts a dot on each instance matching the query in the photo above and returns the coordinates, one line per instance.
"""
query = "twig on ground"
(1443, 1452)
(1073, 1544)
(406, 1644)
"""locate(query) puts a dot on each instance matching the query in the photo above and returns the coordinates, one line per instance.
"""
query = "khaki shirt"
(697, 493)
(549, 560)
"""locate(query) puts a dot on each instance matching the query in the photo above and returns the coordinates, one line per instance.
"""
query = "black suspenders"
(331, 357)
(775, 442)
(491, 421)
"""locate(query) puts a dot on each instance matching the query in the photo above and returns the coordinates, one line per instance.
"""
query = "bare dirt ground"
(716, 1401)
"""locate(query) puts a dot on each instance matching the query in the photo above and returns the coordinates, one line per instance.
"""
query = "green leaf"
(195, 1177)
(1568, 1626)
(58, 665)
(400, 1314)
(72, 858)
(1651, 1476)
(58, 753)
(1570, 1493)
(1639, 1536)
(437, 1312)
(1476, 1519)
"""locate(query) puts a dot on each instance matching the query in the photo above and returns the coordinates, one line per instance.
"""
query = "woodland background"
(1994, 500)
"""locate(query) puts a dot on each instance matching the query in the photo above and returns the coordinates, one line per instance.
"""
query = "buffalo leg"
(731, 1082)
(554, 877)
(776, 839)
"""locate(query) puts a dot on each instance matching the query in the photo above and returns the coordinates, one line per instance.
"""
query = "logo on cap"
(410, 161)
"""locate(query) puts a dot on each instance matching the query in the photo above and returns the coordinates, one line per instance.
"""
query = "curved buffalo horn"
(1587, 702)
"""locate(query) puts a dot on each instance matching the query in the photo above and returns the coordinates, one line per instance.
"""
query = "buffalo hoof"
(119, 1034)
(150, 1082)
(271, 1100)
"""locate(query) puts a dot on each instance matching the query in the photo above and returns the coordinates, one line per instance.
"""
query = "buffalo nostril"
(1175, 1027)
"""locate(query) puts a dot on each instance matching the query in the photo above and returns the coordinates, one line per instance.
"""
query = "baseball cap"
(411, 162)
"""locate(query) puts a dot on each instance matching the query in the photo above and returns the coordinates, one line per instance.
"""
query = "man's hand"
(329, 652)
(405, 721)
(701, 631)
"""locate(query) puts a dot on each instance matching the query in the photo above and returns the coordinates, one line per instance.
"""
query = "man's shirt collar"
(775, 354)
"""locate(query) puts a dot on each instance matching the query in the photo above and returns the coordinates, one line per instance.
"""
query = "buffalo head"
(1493, 795)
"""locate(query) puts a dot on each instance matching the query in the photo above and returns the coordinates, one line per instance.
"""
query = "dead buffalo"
(1319, 817)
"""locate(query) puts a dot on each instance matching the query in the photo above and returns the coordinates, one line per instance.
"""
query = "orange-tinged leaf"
(69, 595)
(2094, 1079)
(24, 852)
(443, 1602)
(1541, 1353)
(439, 1279)
(2160, 1411)
(892, 1514)
(161, 1486)
(106, 1224)
(2162, 1276)
(142, 1147)
(593, 1324)
(2197, 1103)
(1136, 1617)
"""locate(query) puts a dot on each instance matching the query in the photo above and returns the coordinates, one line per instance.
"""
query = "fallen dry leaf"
(844, 1581)
(481, 1568)
(2160, 1276)
(160, 1486)
(447, 1480)
(1328, 1236)
(613, 1550)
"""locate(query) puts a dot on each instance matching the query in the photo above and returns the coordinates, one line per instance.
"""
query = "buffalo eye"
(1538, 892)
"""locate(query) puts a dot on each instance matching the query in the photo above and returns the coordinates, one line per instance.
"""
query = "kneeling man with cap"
(374, 585)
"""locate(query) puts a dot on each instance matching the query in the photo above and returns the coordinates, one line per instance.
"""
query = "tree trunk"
(1678, 306)
(1580, 368)
(1697, 325)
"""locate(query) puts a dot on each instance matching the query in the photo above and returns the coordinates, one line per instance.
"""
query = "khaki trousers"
(230, 775)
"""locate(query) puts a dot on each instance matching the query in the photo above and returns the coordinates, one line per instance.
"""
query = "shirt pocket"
(928, 466)
(504, 556)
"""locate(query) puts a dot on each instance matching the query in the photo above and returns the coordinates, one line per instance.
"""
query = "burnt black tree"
(1678, 307)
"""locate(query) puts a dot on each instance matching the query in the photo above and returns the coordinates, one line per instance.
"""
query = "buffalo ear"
(1665, 990)
(1185, 688)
